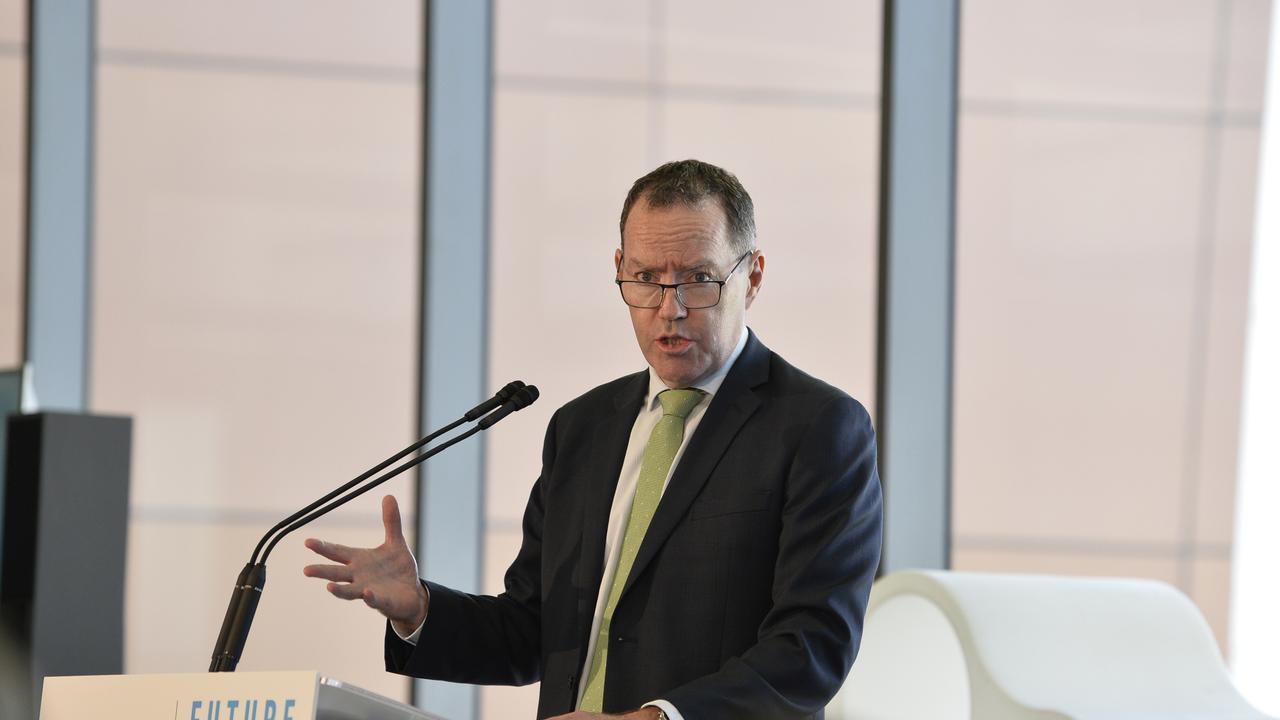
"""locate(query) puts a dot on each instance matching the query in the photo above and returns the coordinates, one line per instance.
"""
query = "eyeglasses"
(692, 295)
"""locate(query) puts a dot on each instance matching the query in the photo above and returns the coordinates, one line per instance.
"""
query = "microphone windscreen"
(525, 397)
(500, 398)
(508, 390)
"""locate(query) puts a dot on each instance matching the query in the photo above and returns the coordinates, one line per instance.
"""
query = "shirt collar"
(709, 385)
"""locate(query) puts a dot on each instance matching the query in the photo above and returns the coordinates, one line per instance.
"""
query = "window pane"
(786, 98)
(1105, 217)
(255, 290)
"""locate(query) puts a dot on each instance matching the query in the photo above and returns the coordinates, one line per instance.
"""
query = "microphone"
(499, 398)
(252, 579)
(521, 400)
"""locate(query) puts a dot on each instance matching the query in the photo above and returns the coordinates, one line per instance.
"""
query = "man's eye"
(702, 277)
(644, 277)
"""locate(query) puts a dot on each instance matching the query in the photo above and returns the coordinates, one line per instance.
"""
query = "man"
(703, 536)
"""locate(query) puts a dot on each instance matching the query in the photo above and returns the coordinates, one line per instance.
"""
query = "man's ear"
(617, 261)
(755, 277)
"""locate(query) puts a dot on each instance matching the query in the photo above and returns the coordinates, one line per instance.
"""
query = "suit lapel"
(609, 447)
(732, 405)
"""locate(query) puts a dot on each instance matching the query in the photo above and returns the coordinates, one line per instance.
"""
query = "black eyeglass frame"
(662, 295)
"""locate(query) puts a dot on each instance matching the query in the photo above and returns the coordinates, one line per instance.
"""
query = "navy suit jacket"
(747, 596)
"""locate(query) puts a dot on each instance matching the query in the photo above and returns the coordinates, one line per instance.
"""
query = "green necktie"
(664, 441)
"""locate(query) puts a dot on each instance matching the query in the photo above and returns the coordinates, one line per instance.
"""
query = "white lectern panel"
(300, 695)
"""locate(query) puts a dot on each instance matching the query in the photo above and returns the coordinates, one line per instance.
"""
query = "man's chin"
(677, 374)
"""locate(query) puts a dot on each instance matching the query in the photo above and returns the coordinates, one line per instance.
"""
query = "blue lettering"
(249, 709)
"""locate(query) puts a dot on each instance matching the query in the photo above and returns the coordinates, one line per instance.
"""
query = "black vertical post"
(62, 555)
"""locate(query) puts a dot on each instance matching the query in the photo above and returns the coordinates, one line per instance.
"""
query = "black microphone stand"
(253, 577)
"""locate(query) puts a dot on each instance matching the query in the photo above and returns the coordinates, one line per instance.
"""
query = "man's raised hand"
(385, 577)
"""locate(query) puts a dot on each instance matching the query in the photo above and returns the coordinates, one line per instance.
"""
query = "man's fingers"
(332, 551)
(337, 573)
(346, 591)
(391, 519)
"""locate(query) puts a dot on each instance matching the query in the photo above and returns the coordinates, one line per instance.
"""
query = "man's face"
(686, 244)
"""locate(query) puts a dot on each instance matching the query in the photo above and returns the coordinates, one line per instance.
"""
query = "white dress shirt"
(628, 478)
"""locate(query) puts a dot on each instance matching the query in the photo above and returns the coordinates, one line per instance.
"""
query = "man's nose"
(671, 309)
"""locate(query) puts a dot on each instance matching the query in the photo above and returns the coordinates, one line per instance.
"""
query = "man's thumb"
(391, 520)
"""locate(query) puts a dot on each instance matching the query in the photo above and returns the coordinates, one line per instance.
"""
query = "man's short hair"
(692, 182)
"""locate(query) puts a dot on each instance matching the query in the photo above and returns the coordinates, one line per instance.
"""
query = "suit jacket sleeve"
(828, 552)
(483, 639)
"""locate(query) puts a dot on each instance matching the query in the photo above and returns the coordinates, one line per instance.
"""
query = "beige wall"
(784, 96)
(13, 159)
(1105, 213)
(254, 292)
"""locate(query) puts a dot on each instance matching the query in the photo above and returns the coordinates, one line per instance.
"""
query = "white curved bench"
(950, 645)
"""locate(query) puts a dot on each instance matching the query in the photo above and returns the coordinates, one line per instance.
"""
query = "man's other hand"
(385, 577)
(644, 713)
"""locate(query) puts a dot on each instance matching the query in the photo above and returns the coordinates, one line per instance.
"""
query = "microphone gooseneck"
(253, 577)
(522, 398)
(500, 397)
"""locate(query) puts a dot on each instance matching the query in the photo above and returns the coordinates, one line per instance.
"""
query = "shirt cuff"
(666, 707)
(412, 638)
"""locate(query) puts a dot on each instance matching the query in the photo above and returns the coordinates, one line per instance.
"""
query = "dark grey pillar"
(62, 560)
(59, 200)
(454, 365)
(917, 286)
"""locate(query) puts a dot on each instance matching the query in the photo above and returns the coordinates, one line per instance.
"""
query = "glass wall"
(255, 289)
(255, 283)
(1108, 166)
(13, 170)
(587, 98)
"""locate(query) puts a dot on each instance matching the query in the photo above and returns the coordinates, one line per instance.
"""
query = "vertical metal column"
(917, 284)
(454, 360)
(59, 200)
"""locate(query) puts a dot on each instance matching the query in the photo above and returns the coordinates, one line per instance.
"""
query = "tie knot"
(679, 402)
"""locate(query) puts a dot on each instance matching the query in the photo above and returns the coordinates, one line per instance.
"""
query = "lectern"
(302, 695)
